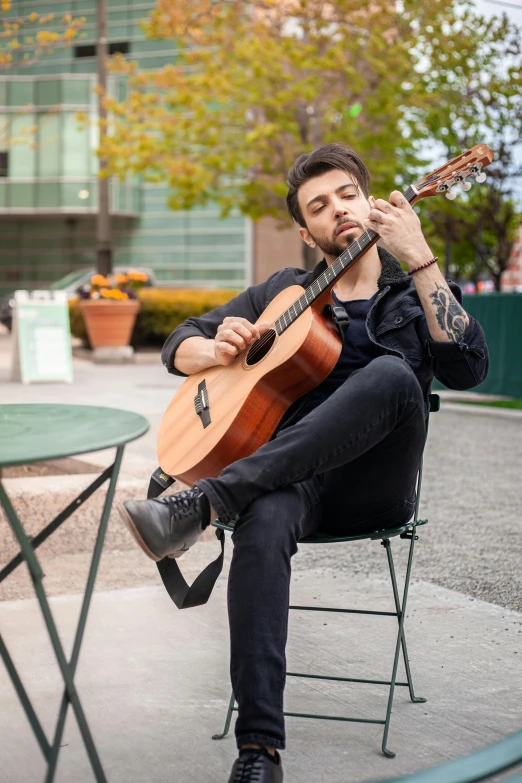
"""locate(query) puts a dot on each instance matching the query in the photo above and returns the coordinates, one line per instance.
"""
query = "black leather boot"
(167, 526)
(257, 766)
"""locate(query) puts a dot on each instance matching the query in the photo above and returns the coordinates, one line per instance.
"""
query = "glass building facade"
(48, 172)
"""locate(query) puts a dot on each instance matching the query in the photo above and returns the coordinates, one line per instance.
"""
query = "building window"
(4, 161)
(89, 50)
(122, 47)
(86, 50)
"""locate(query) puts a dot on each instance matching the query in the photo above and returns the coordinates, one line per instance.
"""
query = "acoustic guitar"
(223, 414)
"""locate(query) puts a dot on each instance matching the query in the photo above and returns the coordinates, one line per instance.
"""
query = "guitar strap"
(184, 595)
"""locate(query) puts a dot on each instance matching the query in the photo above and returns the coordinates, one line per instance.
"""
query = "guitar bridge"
(201, 404)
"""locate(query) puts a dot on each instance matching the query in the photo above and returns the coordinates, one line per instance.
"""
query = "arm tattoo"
(451, 317)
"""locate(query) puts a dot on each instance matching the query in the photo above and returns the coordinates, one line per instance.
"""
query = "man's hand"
(233, 336)
(399, 228)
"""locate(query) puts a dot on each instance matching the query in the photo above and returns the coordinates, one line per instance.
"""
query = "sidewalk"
(155, 685)
(154, 680)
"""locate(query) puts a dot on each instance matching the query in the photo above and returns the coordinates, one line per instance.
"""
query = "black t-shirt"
(358, 351)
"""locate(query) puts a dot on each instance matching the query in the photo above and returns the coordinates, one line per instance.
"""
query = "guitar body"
(247, 400)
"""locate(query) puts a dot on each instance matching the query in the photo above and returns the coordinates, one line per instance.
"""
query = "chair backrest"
(481, 765)
(434, 403)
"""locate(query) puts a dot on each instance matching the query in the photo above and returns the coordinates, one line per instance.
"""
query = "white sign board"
(41, 337)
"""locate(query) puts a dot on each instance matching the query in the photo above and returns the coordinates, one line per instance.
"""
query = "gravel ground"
(473, 542)
(471, 495)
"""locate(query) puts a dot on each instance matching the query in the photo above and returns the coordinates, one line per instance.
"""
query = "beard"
(333, 246)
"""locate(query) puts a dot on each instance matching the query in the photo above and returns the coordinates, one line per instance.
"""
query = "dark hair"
(319, 161)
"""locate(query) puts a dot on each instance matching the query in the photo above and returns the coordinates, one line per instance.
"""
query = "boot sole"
(127, 519)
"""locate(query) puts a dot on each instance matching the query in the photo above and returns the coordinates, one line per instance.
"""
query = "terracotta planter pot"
(109, 323)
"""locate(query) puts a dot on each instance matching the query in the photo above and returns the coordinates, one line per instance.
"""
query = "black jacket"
(396, 322)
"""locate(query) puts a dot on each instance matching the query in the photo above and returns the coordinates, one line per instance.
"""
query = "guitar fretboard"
(331, 274)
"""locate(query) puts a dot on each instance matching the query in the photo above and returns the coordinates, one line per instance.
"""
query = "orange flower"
(100, 280)
(113, 293)
(121, 279)
(138, 277)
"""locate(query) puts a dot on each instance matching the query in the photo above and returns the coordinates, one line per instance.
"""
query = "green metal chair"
(481, 765)
(406, 532)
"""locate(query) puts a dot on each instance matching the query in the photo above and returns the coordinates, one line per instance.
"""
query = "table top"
(30, 433)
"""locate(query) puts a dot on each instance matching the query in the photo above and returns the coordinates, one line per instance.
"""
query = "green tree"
(255, 84)
(491, 230)
(447, 227)
(479, 99)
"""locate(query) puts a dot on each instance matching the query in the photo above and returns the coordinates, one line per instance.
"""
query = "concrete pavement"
(154, 680)
(155, 685)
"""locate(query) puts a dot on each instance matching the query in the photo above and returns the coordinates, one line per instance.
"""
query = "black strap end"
(159, 482)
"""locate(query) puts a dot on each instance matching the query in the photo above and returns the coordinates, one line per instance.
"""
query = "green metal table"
(32, 433)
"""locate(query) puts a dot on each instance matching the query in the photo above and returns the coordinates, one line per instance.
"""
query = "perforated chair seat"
(377, 534)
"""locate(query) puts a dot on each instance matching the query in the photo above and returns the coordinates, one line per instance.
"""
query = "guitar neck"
(331, 274)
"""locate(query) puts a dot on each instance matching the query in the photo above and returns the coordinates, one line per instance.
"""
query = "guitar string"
(253, 350)
(229, 369)
(337, 267)
(261, 342)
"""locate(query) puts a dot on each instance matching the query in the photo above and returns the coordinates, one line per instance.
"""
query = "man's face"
(333, 207)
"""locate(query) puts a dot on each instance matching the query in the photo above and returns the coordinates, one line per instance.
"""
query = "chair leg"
(416, 699)
(227, 719)
(401, 612)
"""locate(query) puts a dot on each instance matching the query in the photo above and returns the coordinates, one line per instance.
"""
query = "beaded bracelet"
(423, 266)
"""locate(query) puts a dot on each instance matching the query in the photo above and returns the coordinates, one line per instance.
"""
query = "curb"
(480, 410)
(38, 500)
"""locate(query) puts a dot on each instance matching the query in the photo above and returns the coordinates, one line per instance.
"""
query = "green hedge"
(162, 309)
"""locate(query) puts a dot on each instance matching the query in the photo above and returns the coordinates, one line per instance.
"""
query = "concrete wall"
(274, 249)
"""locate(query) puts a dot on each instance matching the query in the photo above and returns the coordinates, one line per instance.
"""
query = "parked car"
(72, 284)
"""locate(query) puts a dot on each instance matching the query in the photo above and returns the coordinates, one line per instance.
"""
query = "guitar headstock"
(471, 163)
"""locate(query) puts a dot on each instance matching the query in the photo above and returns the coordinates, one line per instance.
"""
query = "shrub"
(75, 317)
(162, 309)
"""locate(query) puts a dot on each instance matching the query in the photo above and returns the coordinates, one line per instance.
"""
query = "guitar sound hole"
(260, 348)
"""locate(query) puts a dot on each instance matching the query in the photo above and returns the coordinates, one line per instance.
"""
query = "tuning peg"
(451, 195)
(481, 177)
(465, 186)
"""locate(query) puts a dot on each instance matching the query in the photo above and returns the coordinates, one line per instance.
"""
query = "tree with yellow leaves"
(254, 84)
(24, 39)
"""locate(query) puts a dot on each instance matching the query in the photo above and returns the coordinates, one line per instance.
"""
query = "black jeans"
(348, 467)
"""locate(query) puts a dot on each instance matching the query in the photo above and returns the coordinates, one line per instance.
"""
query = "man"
(346, 456)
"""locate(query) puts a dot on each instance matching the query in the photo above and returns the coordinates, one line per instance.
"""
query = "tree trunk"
(448, 256)
(476, 268)
(103, 222)
(309, 257)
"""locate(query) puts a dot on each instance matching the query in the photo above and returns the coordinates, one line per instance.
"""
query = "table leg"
(67, 669)
(44, 534)
(25, 700)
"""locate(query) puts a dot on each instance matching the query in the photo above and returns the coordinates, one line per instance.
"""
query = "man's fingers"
(398, 200)
(234, 335)
(241, 326)
(234, 338)
(376, 216)
(381, 204)
(227, 348)
(235, 328)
